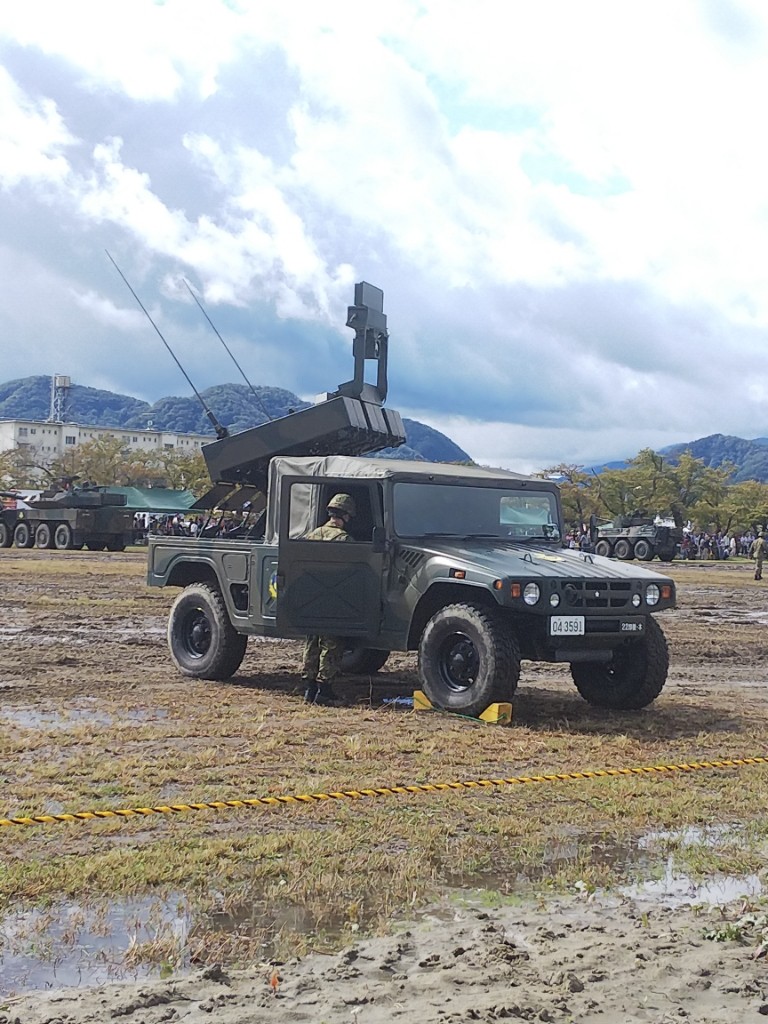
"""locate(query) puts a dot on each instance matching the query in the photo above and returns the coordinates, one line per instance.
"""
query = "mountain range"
(234, 406)
(749, 457)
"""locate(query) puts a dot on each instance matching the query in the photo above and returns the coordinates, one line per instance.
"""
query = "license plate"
(566, 625)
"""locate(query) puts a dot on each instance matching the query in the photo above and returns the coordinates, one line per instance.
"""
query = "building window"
(22, 431)
(33, 430)
(134, 440)
(70, 439)
(168, 447)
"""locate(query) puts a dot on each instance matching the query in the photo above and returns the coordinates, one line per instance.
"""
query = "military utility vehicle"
(68, 516)
(463, 564)
(637, 536)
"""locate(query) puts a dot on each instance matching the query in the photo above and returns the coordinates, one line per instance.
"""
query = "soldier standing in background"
(757, 551)
(322, 654)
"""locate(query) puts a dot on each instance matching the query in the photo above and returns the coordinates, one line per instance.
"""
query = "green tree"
(578, 493)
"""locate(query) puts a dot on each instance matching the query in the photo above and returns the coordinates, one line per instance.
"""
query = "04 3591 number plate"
(566, 625)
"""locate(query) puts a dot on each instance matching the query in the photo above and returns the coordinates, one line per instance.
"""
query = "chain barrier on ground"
(358, 794)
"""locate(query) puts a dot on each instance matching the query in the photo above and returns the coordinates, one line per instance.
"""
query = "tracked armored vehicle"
(462, 564)
(68, 517)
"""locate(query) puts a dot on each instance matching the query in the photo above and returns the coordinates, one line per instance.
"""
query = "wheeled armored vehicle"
(637, 536)
(68, 517)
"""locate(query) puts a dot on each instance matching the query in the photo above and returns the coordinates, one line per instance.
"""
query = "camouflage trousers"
(322, 658)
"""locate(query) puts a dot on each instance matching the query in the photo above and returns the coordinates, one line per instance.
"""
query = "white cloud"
(565, 203)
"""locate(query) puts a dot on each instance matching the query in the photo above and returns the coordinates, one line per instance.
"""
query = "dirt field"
(615, 899)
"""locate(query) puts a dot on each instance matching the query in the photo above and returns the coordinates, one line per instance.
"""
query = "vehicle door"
(329, 587)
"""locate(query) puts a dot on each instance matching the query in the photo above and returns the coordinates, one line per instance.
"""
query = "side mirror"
(379, 540)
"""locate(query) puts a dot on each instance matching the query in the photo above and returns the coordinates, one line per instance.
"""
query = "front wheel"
(468, 659)
(6, 537)
(667, 554)
(644, 550)
(202, 640)
(362, 661)
(633, 679)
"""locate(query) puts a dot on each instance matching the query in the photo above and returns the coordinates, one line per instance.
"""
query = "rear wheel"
(603, 547)
(6, 536)
(643, 550)
(94, 545)
(62, 538)
(22, 535)
(468, 659)
(622, 549)
(115, 544)
(633, 679)
(202, 640)
(43, 536)
(362, 661)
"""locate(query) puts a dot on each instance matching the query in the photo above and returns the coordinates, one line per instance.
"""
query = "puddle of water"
(72, 945)
(36, 716)
(68, 945)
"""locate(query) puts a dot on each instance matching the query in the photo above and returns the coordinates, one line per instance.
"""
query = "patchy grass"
(107, 723)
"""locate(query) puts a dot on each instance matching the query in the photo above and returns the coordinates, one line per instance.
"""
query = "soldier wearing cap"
(322, 654)
(757, 551)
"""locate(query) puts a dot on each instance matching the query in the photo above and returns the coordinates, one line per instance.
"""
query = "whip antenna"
(229, 353)
(221, 431)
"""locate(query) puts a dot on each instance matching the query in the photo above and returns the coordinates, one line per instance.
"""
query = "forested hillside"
(234, 405)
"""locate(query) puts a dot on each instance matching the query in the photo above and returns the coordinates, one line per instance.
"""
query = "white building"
(51, 440)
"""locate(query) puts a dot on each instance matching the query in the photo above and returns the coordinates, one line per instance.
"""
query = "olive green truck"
(462, 564)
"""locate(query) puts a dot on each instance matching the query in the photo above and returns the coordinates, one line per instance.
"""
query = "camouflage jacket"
(328, 532)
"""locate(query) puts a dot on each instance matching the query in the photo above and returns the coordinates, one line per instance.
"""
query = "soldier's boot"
(326, 694)
(311, 692)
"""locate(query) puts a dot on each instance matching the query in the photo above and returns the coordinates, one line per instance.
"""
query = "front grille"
(585, 594)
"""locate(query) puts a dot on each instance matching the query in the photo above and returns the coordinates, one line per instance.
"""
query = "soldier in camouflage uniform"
(757, 551)
(322, 654)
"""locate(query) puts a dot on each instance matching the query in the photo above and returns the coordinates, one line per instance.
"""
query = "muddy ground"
(95, 716)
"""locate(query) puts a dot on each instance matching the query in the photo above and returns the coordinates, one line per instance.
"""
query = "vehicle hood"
(505, 558)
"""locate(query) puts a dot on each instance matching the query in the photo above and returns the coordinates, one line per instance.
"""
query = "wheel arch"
(439, 595)
(186, 572)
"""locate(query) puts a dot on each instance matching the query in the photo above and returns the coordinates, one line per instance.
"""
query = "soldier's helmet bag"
(343, 502)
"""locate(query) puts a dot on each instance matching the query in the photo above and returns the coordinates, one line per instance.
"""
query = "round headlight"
(554, 600)
(636, 600)
(652, 594)
(531, 594)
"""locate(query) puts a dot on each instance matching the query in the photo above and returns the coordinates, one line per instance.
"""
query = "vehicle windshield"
(448, 510)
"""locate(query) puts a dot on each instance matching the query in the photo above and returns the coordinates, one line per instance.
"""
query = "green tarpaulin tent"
(162, 500)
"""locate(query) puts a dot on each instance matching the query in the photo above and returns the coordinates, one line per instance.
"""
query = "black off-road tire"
(634, 678)
(202, 640)
(95, 545)
(362, 661)
(644, 550)
(6, 536)
(23, 537)
(43, 536)
(604, 548)
(622, 549)
(468, 658)
(116, 544)
(667, 554)
(62, 537)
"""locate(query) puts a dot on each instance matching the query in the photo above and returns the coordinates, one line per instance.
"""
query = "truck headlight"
(636, 600)
(531, 593)
(554, 600)
(652, 594)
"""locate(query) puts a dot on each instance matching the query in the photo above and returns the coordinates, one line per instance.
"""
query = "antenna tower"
(60, 385)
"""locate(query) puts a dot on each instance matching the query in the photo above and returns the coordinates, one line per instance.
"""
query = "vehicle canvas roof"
(345, 467)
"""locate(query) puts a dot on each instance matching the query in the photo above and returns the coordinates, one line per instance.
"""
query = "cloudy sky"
(566, 205)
